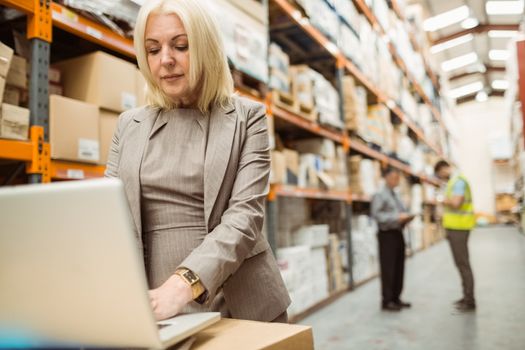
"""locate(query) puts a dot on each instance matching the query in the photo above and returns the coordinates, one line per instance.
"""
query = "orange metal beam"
(480, 28)
(293, 191)
(308, 125)
(26, 6)
(89, 30)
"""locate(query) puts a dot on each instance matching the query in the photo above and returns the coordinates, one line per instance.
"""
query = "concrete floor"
(432, 284)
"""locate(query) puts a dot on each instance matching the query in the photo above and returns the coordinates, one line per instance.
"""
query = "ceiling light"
(446, 19)
(502, 33)
(459, 62)
(451, 43)
(500, 84)
(466, 90)
(498, 55)
(481, 96)
(469, 23)
(514, 7)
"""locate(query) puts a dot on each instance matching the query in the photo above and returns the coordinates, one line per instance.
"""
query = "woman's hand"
(169, 299)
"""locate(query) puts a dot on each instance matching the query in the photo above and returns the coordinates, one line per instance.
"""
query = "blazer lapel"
(140, 130)
(218, 150)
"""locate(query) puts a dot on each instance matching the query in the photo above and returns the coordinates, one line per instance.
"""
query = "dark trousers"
(458, 240)
(392, 263)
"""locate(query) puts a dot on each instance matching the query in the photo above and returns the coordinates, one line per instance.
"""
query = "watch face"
(190, 277)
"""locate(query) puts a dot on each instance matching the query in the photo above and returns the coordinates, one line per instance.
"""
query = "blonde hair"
(208, 69)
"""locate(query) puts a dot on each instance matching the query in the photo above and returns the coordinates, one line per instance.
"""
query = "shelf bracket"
(39, 23)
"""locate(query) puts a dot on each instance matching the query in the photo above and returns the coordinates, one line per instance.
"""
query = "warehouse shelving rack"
(34, 154)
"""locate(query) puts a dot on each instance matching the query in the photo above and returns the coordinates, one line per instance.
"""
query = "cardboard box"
(11, 95)
(17, 74)
(100, 79)
(230, 334)
(505, 202)
(140, 88)
(54, 75)
(291, 159)
(73, 130)
(55, 89)
(2, 88)
(14, 122)
(107, 124)
(278, 170)
(6, 55)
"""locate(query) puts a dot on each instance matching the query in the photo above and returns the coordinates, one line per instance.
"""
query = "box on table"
(250, 335)
(6, 55)
(101, 79)
(107, 125)
(73, 130)
(14, 122)
(17, 74)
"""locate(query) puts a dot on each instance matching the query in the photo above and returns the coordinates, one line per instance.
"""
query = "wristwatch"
(199, 293)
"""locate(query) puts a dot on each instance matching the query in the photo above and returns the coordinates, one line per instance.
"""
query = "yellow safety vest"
(462, 218)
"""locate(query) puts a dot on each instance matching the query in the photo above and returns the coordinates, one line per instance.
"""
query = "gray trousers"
(458, 240)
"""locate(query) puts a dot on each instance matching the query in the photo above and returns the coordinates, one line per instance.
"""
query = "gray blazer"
(386, 209)
(234, 255)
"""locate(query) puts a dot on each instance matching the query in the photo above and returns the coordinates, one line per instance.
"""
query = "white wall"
(477, 121)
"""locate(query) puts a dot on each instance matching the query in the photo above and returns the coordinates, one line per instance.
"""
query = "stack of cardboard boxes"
(338, 279)
(355, 105)
(310, 163)
(97, 87)
(365, 176)
(14, 120)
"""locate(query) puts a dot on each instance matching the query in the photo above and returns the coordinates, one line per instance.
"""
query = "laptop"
(71, 271)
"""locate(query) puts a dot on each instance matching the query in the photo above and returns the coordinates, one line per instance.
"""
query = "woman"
(195, 164)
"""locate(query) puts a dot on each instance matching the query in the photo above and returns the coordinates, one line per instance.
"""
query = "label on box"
(75, 174)
(88, 149)
(128, 100)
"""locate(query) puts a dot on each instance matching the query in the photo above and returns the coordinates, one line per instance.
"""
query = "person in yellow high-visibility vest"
(458, 221)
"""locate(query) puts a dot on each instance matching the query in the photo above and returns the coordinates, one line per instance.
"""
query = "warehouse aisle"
(432, 284)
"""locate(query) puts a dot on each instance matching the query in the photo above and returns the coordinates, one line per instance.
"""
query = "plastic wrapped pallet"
(381, 12)
(245, 38)
(415, 229)
(350, 45)
(312, 236)
(355, 104)
(417, 160)
(365, 253)
(347, 10)
(326, 101)
(302, 85)
(416, 199)
(322, 17)
(279, 63)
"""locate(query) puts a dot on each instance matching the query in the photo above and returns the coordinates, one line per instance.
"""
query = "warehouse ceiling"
(481, 39)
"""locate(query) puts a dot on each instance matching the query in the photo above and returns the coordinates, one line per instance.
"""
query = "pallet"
(288, 102)
(248, 84)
